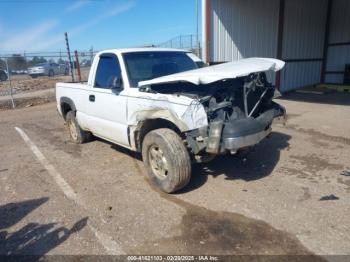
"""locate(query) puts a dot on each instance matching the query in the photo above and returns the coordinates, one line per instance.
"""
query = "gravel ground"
(267, 203)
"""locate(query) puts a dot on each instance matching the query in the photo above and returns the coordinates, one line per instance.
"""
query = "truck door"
(106, 104)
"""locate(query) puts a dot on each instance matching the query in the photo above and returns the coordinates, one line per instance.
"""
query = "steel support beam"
(282, 5)
(207, 31)
(326, 40)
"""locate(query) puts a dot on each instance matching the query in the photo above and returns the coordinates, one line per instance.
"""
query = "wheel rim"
(73, 130)
(158, 162)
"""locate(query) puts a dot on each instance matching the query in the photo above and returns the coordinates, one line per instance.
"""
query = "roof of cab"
(144, 49)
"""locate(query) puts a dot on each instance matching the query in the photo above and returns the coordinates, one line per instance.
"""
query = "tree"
(37, 60)
(61, 61)
(2, 64)
(17, 62)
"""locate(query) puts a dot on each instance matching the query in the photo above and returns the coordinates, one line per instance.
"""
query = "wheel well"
(65, 107)
(151, 125)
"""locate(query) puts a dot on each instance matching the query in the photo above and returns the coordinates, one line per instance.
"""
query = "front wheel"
(167, 160)
(77, 135)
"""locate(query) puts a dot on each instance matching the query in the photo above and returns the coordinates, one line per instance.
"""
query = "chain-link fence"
(38, 72)
(26, 72)
(188, 42)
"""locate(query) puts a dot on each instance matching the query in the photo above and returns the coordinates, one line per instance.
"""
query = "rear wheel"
(77, 135)
(167, 160)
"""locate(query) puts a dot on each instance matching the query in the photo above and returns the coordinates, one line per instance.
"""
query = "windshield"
(142, 66)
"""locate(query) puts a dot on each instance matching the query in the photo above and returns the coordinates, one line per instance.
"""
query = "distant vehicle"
(48, 69)
(85, 63)
(159, 103)
(19, 72)
(3, 75)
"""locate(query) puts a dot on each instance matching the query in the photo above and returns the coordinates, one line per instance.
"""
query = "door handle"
(92, 98)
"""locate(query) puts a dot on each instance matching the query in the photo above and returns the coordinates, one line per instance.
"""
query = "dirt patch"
(306, 196)
(317, 137)
(203, 231)
(291, 116)
(310, 167)
(313, 163)
(26, 102)
(22, 84)
(345, 182)
(54, 137)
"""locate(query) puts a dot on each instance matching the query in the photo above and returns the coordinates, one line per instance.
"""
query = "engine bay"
(227, 100)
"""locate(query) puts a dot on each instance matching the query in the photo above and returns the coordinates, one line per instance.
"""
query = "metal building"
(312, 36)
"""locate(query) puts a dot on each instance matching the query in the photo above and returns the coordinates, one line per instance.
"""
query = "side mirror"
(117, 83)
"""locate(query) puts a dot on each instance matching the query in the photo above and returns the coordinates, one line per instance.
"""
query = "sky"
(39, 25)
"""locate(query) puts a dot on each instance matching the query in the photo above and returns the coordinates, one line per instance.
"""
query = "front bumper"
(250, 131)
(236, 143)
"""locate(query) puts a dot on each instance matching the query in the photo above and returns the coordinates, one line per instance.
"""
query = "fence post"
(9, 79)
(69, 57)
(78, 64)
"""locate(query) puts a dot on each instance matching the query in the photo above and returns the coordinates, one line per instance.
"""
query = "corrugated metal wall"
(242, 29)
(338, 56)
(304, 32)
(246, 28)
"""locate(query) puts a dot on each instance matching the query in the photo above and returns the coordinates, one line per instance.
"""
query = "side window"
(108, 70)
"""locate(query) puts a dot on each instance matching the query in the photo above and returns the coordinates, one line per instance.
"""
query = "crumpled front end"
(235, 100)
(240, 115)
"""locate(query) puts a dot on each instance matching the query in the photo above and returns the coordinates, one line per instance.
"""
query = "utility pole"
(69, 57)
(9, 79)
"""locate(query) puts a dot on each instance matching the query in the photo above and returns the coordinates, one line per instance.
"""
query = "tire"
(34, 76)
(51, 73)
(77, 135)
(167, 160)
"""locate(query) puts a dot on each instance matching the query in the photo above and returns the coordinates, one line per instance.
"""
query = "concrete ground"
(60, 198)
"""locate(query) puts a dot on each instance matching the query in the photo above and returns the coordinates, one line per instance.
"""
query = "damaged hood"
(216, 73)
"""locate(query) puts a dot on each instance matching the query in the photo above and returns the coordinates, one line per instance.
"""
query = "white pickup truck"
(164, 104)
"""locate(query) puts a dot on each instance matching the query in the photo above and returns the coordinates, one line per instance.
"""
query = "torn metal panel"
(216, 73)
(187, 114)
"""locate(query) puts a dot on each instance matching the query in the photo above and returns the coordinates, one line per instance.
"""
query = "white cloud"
(118, 9)
(39, 38)
(114, 11)
(27, 40)
(77, 5)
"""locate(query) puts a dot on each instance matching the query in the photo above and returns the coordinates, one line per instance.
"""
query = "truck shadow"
(33, 240)
(256, 165)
